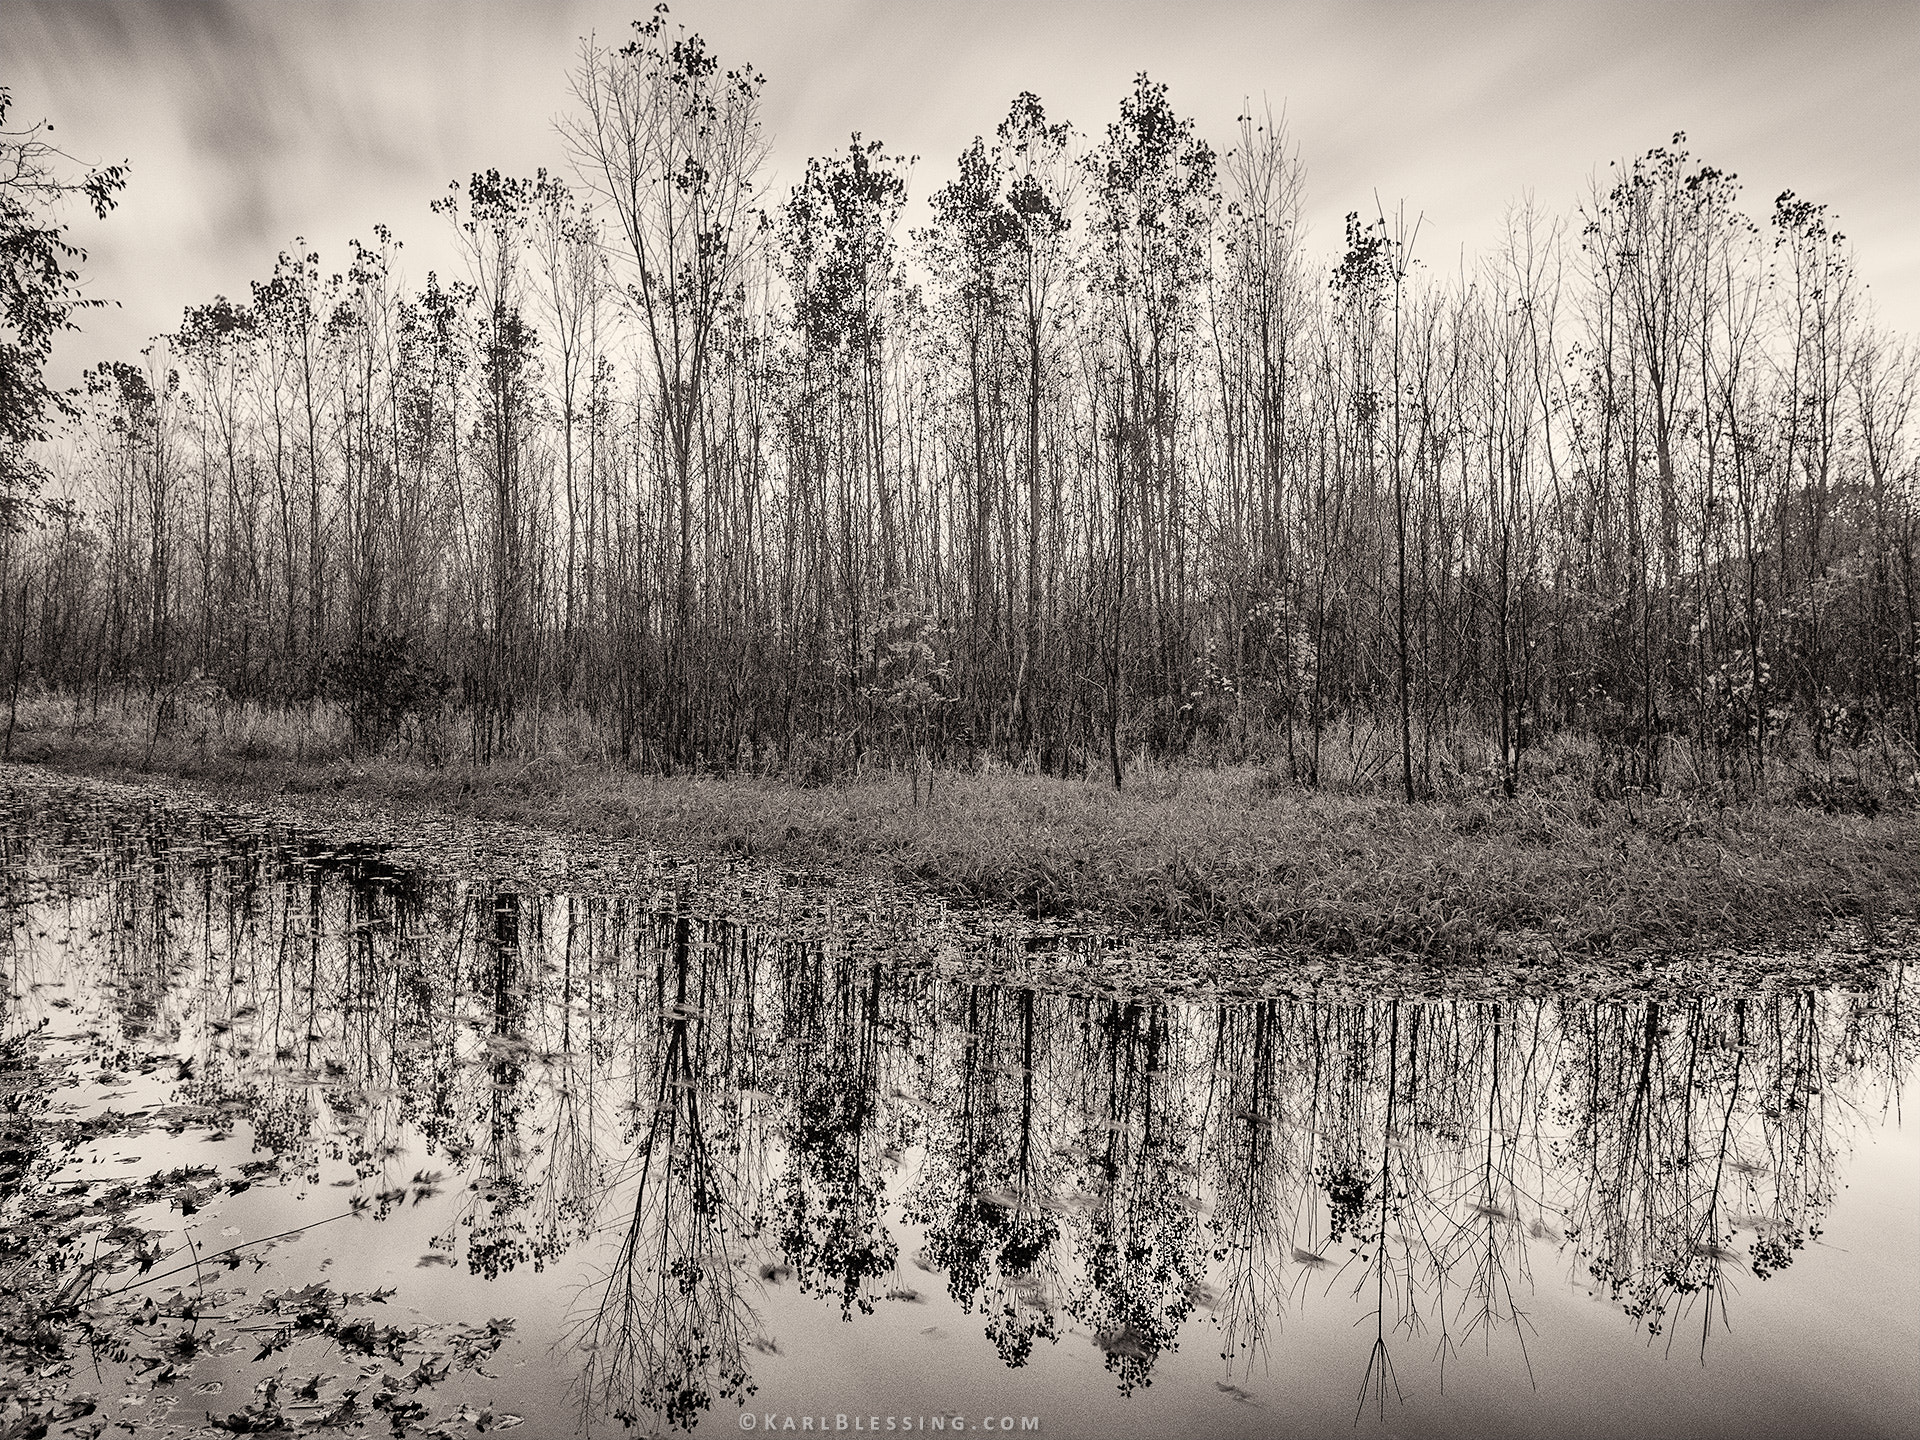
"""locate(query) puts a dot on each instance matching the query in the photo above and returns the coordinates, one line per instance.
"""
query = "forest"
(1110, 462)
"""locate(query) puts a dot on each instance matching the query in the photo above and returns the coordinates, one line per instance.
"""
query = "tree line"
(1106, 459)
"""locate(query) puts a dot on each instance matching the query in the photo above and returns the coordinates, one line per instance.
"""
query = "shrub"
(380, 680)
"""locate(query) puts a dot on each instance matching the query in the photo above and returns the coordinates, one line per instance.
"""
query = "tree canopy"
(39, 288)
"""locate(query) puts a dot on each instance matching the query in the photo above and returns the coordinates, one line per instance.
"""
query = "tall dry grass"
(1231, 850)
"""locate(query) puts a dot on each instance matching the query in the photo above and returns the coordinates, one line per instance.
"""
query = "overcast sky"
(249, 122)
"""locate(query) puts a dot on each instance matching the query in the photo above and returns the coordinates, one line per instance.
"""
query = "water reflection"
(685, 1115)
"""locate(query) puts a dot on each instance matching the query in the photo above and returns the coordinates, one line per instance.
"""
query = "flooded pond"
(302, 1133)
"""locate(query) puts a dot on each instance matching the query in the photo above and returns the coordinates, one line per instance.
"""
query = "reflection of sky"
(1796, 1362)
(249, 124)
(1822, 1347)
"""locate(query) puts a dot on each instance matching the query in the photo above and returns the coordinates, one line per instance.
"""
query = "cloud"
(207, 76)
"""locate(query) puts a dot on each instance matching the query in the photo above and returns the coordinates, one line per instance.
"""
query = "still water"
(349, 1137)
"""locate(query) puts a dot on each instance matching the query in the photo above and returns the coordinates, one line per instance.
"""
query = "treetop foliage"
(40, 289)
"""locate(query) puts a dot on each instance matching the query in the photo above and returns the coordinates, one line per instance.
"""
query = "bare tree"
(672, 144)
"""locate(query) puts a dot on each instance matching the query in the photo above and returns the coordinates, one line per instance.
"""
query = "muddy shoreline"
(902, 920)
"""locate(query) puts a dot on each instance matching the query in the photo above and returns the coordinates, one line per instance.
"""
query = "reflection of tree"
(500, 1194)
(1253, 1161)
(826, 1206)
(1142, 1256)
(1131, 1169)
(1697, 1126)
(569, 1184)
(1475, 1238)
(982, 1191)
(1449, 1140)
(667, 1335)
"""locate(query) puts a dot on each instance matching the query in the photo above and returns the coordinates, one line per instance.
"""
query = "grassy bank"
(1186, 852)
